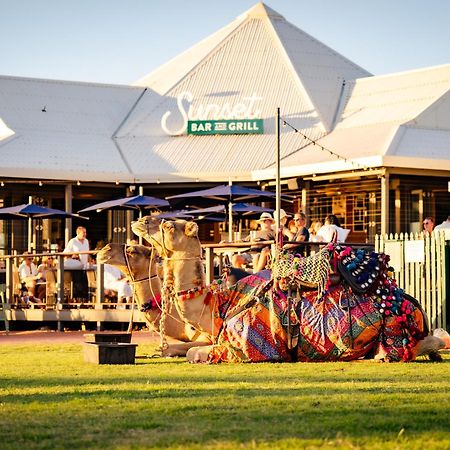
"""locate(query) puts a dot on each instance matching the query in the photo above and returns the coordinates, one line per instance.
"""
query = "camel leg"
(430, 347)
(181, 349)
(198, 354)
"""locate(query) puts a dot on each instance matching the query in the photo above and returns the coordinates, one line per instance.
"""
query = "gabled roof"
(259, 54)
(397, 120)
(318, 70)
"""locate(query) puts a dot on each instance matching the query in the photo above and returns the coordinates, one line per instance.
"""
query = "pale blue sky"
(119, 41)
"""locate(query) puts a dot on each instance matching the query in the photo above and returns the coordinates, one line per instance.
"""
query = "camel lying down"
(256, 320)
(137, 262)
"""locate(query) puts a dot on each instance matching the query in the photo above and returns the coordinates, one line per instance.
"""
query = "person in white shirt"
(79, 244)
(445, 225)
(28, 274)
(332, 230)
(114, 280)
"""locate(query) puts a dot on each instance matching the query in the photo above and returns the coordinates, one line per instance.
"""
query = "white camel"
(138, 263)
(178, 244)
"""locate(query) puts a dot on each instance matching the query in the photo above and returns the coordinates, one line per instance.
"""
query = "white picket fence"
(421, 265)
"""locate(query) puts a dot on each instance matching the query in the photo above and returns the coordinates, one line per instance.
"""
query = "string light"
(2, 184)
(322, 148)
(40, 183)
(117, 182)
(78, 183)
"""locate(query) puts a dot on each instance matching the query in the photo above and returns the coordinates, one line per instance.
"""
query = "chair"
(50, 289)
(92, 285)
(17, 287)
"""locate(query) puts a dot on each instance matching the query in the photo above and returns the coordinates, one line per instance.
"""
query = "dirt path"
(65, 337)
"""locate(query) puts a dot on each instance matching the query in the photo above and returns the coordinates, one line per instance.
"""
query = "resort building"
(374, 150)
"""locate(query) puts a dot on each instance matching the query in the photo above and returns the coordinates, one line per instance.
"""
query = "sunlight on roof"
(5, 131)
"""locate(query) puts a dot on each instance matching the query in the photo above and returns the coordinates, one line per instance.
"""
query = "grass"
(51, 398)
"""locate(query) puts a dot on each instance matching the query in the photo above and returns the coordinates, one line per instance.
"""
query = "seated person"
(260, 253)
(288, 235)
(47, 263)
(332, 230)
(28, 274)
(301, 235)
(313, 229)
(115, 283)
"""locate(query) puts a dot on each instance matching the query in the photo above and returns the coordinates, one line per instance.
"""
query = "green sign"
(243, 126)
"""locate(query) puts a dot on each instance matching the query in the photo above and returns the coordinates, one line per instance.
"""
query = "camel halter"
(127, 261)
(166, 251)
(171, 296)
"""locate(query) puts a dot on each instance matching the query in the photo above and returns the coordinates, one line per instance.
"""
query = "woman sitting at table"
(260, 253)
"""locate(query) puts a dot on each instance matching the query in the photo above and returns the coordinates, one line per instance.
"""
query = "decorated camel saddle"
(364, 313)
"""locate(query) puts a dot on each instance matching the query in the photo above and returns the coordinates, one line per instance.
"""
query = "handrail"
(59, 274)
(40, 255)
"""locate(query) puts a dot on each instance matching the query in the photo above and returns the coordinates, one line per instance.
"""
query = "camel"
(257, 321)
(137, 262)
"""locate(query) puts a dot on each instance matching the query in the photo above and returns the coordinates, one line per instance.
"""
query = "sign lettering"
(239, 112)
(203, 127)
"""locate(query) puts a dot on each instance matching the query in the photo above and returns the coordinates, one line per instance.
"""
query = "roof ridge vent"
(260, 11)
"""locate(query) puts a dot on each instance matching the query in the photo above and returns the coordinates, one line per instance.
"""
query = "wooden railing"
(10, 260)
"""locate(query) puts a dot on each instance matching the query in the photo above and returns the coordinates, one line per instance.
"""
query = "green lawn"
(51, 398)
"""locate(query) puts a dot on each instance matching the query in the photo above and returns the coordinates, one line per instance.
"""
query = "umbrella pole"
(30, 233)
(278, 181)
(230, 222)
(30, 225)
(230, 216)
(140, 217)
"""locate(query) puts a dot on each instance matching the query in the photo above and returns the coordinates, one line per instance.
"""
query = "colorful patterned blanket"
(258, 322)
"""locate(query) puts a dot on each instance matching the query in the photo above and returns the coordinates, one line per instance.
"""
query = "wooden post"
(209, 255)
(385, 203)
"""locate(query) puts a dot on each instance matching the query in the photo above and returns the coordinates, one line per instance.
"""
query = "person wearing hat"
(266, 233)
(260, 253)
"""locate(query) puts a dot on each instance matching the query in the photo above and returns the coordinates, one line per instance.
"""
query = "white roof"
(97, 132)
(62, 130)
(397, 120)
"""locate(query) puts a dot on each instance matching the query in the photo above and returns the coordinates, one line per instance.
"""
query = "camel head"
(169, 236)
(134, 258)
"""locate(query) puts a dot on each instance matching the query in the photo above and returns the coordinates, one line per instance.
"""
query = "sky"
(120, 41)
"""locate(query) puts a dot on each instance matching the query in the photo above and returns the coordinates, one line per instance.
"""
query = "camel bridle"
(170, 296)
(129, 268)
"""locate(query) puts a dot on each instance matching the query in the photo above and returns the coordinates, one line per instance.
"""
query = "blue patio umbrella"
(34, 211)
(214, 214)
(225, 194)
(238, 209)
(139, 202)
(30, 211)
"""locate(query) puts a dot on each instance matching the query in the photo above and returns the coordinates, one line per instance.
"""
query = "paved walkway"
(66, 337)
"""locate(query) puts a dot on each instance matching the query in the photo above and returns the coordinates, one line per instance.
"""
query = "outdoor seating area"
(56, 285)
